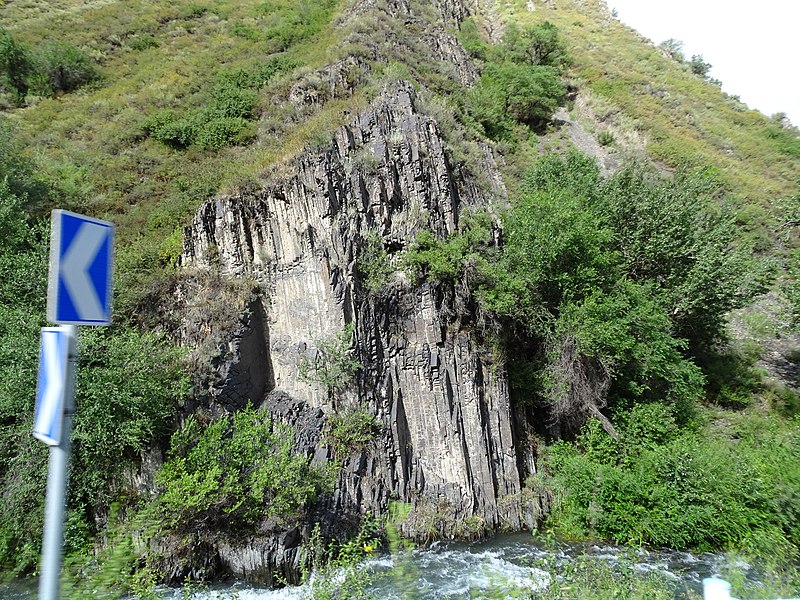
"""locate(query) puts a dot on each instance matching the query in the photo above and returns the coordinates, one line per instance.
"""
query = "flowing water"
(456, 570)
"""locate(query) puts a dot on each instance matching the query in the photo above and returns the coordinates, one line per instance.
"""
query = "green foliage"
(605, 138)
(471, 39)
(52, 68)
(660, 486)
(786, 141)
(115, 571)
(698, 66)
(224, 131)
(61, 68)
(233, 472)
(143, 42)
(447, 259)
(679, 234)
(674, 48)
(521, 81)
(227, 116)
(350, 432)
(128, 385)
(512, 93)
(333, 365)
(374, 263)
(635, 271)
(128, 388)
(19, 178)
(731, 373)
(15, 66)
(537, 45)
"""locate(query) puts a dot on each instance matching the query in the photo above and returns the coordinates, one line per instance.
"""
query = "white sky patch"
(753, 47)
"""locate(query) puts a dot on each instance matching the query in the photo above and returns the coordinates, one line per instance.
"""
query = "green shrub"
(511, 92)
(226, 118)
(168, 128)
(230, 101)
(233, 472)
(446, 259)
(350, 432)
(15, 66)
(660, 486)
(333, 365)
(224, 131)
(373, 263)
(143, 42)
(605, 138)
(63, 68)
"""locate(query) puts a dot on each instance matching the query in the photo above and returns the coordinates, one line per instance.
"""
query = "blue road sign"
(50, 392)
(81, 264)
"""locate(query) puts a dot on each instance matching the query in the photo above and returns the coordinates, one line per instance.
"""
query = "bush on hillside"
(62, 68)
(15, 66)
(659, 486)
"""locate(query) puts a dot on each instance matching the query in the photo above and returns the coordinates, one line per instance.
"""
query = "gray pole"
(49, 579)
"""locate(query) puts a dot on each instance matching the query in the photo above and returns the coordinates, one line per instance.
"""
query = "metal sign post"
(55, 502)
(78, 293)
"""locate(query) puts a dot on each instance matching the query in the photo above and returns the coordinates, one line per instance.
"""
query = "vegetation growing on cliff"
(234, 472)
(612, 294)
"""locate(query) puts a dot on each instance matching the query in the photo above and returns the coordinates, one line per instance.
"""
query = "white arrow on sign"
(75, 270)
(52, 382)
(81, 264)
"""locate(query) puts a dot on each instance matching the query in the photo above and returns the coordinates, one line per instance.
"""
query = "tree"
(538, 45)
(515, 92)
(699, 67)
(610, 287)
(673, 48)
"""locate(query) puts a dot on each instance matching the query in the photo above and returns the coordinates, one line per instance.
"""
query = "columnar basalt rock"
(446, 444)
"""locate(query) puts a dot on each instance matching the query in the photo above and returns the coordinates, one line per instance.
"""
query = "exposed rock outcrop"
(447, 445)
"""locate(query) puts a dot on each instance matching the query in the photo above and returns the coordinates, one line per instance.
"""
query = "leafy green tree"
(698, 66)
(681, 235)
(609, 285)
(512, 92)
(537, 45)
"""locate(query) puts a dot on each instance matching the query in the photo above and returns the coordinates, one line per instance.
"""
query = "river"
(505, 565)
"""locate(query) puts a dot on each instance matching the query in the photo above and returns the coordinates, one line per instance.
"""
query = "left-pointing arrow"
(75, 270)
(52, 379)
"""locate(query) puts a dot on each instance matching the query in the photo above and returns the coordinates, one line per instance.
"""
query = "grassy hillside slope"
(635, 91)
(195, 97)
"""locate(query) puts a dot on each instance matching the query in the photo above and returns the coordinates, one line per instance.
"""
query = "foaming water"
(514, 562)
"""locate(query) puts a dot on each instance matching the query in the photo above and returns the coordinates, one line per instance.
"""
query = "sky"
(753, 47)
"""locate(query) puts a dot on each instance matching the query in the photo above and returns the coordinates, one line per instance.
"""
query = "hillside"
(460, 267)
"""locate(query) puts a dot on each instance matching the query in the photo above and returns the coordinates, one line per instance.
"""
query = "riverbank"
(512, 565)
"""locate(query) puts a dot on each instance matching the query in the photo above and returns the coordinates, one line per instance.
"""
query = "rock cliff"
(447, 441)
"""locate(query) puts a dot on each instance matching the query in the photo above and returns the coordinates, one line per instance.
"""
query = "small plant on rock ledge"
(333, 366)
(373, 263)
(351, 431)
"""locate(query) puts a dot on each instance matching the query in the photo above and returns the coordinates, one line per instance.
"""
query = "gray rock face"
(447, 446)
